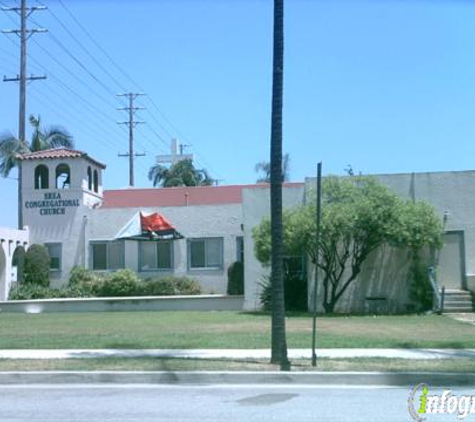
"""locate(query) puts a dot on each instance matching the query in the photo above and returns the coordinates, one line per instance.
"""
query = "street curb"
(219, 378)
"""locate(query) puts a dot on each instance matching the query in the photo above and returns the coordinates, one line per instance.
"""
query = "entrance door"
(451, 268)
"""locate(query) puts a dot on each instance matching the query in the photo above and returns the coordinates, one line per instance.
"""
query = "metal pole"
(317, 241)
(131, 139)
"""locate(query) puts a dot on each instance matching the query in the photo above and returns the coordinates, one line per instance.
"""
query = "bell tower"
(60, 187)
(57, 180)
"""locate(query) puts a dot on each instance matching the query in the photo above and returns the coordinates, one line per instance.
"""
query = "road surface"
(223, 403)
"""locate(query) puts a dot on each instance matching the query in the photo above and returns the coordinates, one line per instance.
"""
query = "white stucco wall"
(256, 206)
(204, 221)
(64, 222)
(10, 240)
(385, 272)
(452, 193)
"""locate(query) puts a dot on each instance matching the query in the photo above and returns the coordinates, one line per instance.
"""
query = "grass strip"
(153, 364)
(223, 330)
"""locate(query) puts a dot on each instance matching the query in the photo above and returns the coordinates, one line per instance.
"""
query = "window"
(156, 255)
(240, 249)
(63, 177)
(107, 255)
(205, 253)
(54, 250)
(96, 181)
(89, 178)
(41, 177)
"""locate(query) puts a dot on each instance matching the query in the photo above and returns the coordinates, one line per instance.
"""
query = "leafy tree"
(182, 173)
(37, 266)
(264, 167)
(419, 226)
(11, 147)
(358, 216)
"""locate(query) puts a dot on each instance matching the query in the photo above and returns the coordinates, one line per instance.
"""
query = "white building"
(66, 209)
(12, 243)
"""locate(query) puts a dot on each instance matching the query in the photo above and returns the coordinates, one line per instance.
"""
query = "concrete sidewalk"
(236, 353)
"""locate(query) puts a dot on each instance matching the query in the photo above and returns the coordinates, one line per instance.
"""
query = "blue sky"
(385, 86)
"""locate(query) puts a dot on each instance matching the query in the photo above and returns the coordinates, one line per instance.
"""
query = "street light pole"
(317, 241)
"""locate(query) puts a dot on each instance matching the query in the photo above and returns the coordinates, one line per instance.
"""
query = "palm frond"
(56, 137)
(157, 173)
(10, 149)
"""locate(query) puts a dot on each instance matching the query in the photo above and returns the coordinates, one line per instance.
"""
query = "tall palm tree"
(182, 173)
(11, 148)
(279, 343)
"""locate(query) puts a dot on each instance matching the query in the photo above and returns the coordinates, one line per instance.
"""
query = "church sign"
(52, 204)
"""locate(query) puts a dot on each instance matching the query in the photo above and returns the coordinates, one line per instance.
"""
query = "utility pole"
(131, 123)
(24, 35)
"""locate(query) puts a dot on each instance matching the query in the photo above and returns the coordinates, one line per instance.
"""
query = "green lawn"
(149, 364)
(202, 330)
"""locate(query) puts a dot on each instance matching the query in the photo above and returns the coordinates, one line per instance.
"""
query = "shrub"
(33, 291)
(84, 282)
(168, 286)
(120, 283)
(236, 279)
(37, 261)
(295, 287)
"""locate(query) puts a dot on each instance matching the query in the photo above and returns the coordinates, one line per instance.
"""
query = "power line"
(85, 125)
(114, 63)
(85, 50)
(81, 65)
(93, 40)
(74, 75)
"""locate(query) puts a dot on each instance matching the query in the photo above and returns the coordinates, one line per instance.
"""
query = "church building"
(200, 231)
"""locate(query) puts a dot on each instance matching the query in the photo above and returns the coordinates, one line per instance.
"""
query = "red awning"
(148, 227)
(154, 222)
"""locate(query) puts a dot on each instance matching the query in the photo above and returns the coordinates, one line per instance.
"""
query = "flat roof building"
(67, 209)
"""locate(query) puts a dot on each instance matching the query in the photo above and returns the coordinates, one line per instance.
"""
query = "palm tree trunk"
(279, 344)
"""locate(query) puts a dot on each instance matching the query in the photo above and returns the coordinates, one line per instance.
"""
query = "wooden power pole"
(22, 78)
(24, 33)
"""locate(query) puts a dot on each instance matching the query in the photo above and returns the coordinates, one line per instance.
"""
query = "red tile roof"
(59, 153)
(178, 196)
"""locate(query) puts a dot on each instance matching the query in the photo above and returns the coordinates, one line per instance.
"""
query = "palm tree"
(279, 343)
(182, 173)
(11, 148)
(264, 167)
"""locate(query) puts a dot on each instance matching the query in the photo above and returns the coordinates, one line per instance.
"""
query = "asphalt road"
(224, 403)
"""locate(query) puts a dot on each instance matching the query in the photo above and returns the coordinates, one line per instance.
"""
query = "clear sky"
(384, 86)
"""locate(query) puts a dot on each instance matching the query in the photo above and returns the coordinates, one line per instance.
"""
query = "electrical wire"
(114, 63)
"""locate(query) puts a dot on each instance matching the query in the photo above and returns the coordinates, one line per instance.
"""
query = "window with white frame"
(107, 255)
(156, 255)
(54, 250)
(205, 253)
